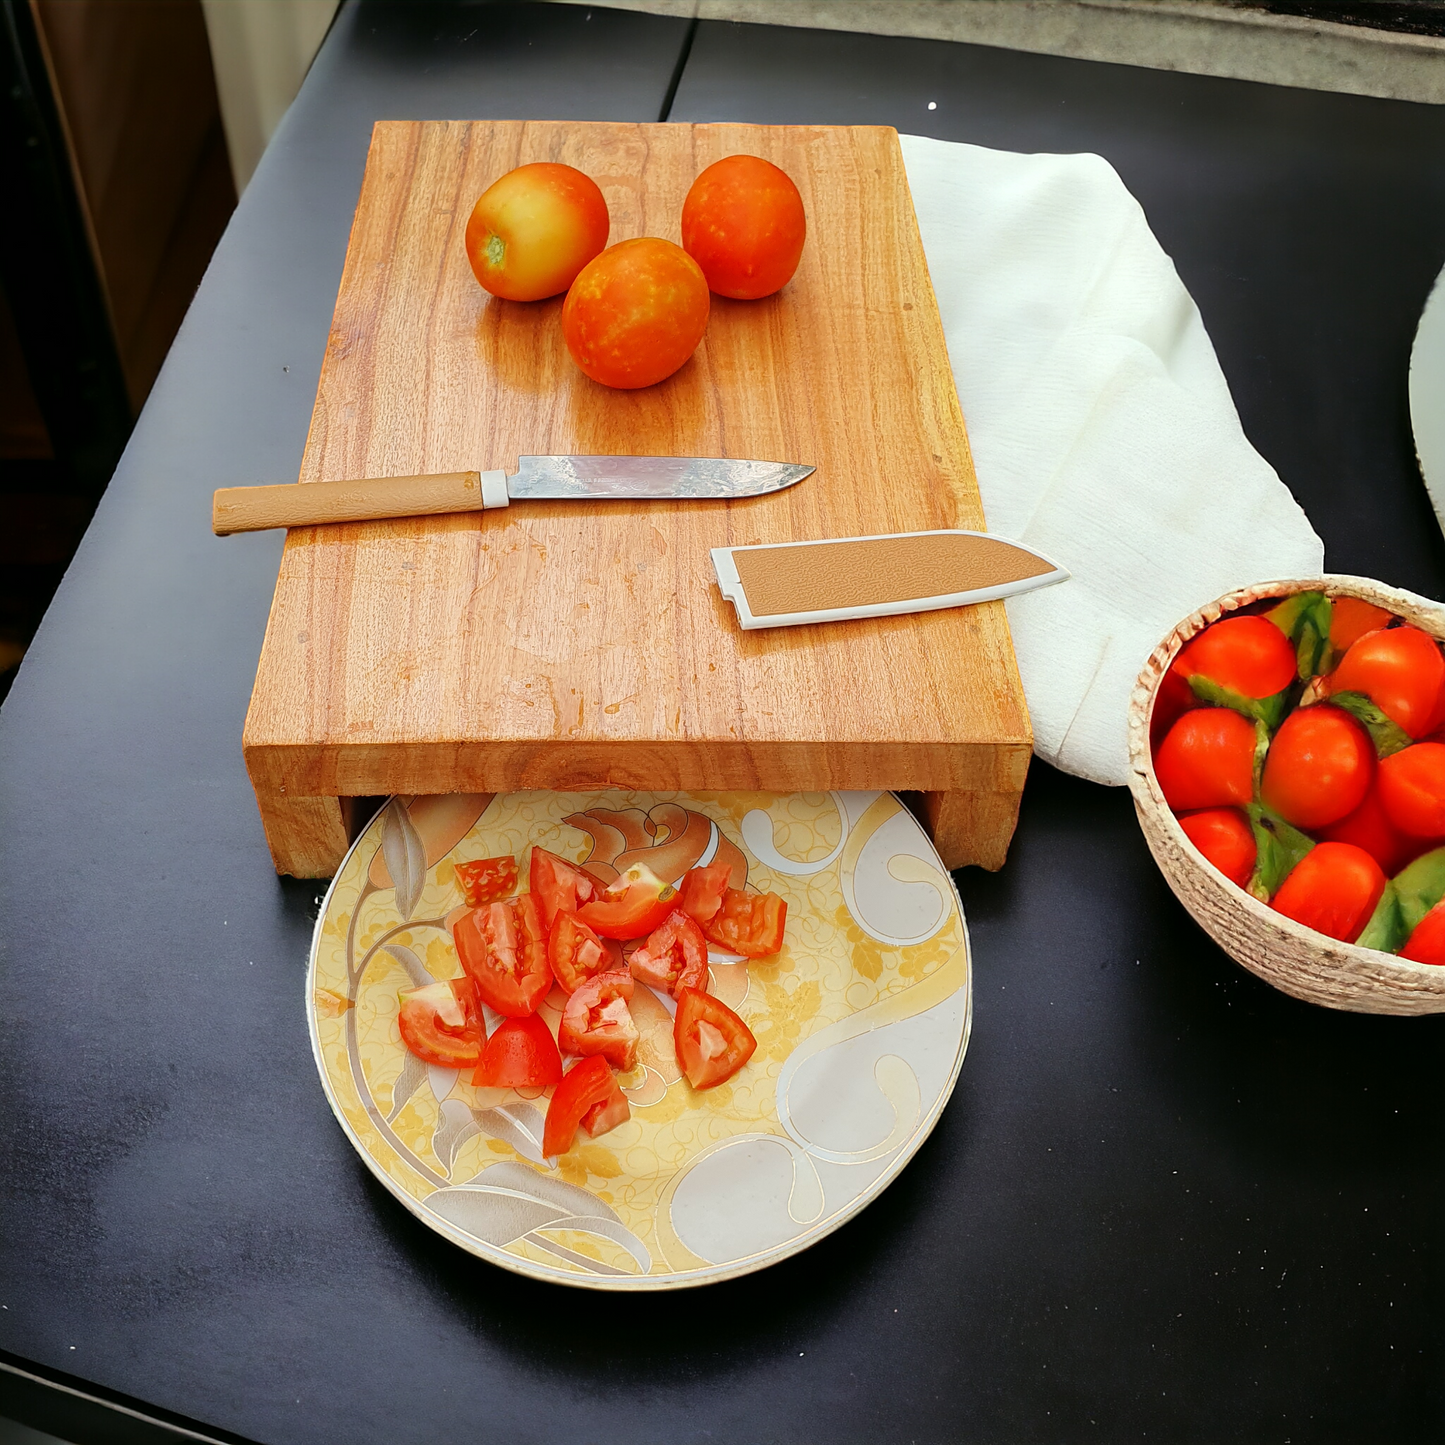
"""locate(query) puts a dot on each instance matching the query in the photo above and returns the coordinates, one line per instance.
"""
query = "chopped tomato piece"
(597, 1020)
(748, 923)
(584, 1086)
(703, 889)
(576, 953)
(632, 906)
(607, 1115)
(521, 1054)
(442, 1024)
(674, 956)
(503, 948)
(484, 880)
(559, 885)
(712, 1042)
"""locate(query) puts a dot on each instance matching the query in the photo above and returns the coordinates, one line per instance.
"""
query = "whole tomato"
(1207, 760)
(1333, 889)
(1319, 767)
(535, 229)
(1402, 671)
(636, 313)
(1369, 827)
(1412, 789)
(1249, 655)
(1351, 618)
(1427, 943)
(1225, 838)
(743, 223)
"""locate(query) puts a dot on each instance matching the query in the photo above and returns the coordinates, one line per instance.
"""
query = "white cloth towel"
(1102, 428)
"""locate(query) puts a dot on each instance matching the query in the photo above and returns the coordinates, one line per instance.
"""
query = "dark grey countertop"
(1165, 1201)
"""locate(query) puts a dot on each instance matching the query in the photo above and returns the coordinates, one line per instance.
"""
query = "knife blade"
(787, 584)
(537, 478)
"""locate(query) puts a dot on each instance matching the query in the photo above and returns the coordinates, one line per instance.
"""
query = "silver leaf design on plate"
(416, 970)
(454, 1128)
(405, 856)
(413, 1071)
(508, 1202)
(519, 1125)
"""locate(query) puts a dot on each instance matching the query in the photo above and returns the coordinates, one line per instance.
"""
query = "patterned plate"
(861, 1022)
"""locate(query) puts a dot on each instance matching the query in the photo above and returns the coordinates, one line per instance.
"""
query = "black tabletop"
(1165, 1201)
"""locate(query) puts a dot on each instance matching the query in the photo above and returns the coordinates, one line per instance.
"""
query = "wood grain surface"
(572, 645)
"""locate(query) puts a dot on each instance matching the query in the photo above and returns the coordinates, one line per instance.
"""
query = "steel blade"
(649, 478)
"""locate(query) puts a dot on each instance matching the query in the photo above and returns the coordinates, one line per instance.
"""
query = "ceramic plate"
(861, 1022)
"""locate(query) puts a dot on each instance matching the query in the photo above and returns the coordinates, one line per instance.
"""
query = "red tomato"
(743, 223)
(712, 1042)
(748, 923)
(607, 1115)
(1333, 889)
(1207, 760)
(1369, 827)
(1173, 699)
(584, 1087)
(1319, 767)
(503, 948)
(632, 906)
(703, 889)
(597, 1020)
(535, 229)
(1351, 619)
(441, 1023)
(484, 880)
(636, 313)
(1427, 943)
(576, 953)
(1224, 836)
(1412, 789)
(1401, 670)
(1249, 655)
(521, 1054)
(674, 956)
(558, 884)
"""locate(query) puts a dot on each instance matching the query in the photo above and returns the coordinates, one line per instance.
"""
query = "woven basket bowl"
(1285, 953)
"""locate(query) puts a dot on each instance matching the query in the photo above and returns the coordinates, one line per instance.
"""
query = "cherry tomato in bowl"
(1207, 760)
(1333, 889)
(1319, 767)
(636, 313)
(1248, 655)
(1224, 836)
(743, 223)
(1412, 790)
(1401, 670)
(532, 231)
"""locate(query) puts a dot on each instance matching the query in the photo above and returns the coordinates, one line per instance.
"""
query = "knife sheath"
(785, 584)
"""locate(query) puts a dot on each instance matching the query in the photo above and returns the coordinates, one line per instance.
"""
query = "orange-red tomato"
(1412, 788)
(1402, 671)
(1225, 838)
(1351, 618)
(743, 223)
(1319, 767)
(1250, 655)
(1369, 827)
(1207, 760)
(1427, 943)
(535, 229)
(1173, 699)
(1333, 889)
(636, 313)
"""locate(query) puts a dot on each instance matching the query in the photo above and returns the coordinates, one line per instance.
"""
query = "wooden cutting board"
(570, 646)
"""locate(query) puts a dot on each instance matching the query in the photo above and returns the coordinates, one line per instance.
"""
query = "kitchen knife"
(785, 584)
(254, 509)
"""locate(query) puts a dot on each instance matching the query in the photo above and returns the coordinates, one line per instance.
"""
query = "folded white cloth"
(1102, 428)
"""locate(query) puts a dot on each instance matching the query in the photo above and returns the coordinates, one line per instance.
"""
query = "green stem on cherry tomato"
(1268, 710)
(1278, 849)
(1305, 619)
(1388, 736)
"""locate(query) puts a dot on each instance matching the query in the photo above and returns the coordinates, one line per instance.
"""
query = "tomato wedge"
(585, 1088)
(559, 885)
(712, 1042)
(484, 880)
(674, 956)
(632, 906)
(748, 923)
(442, 1024)
(597, 1020)
(703, 890)
(576, 953)
(503, 948)
(611, 1112)
(521, 1054)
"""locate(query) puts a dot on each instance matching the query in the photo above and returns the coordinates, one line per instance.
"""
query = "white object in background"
(1101, 425)
(261, 50)
(1427, 396)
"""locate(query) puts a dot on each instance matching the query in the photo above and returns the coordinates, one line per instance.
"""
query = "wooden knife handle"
(308, 504)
